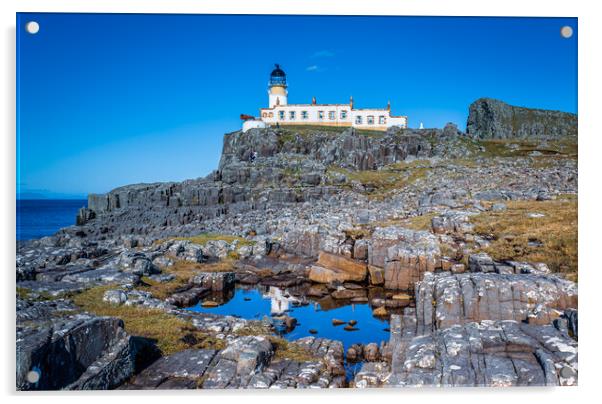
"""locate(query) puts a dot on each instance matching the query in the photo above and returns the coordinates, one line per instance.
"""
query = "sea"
(43, 217)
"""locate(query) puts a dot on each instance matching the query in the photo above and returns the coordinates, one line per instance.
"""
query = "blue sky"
(108, 100)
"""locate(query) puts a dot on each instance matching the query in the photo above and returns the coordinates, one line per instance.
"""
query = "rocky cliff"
(494, 119)
(266, 168)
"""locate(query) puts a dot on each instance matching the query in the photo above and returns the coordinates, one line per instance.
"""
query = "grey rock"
(494, 119)
(82, 352)
(190, 365)
(215, 281)
(115, 297)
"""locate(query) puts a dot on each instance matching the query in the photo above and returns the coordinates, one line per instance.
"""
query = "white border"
(589, 172)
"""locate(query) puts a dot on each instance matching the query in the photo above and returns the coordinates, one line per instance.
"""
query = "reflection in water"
(261, 301)
(280, 300)
(311, 314)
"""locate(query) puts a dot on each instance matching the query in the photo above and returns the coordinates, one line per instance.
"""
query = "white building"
(280, 112)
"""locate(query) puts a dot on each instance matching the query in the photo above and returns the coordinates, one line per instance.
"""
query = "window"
(343, 115)
(370, 120)
(358, 120)
(320, 114)
(331, 115)
(291, 115)
(382, 120)
(304, 115)
(281, 115)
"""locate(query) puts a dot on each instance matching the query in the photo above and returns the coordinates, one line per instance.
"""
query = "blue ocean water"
(43, 217)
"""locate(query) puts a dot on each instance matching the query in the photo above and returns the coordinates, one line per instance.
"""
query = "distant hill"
(45, 194)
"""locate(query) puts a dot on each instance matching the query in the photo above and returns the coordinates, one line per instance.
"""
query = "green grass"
(288, 132)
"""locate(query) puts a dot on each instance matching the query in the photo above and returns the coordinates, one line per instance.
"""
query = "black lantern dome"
(278, 77)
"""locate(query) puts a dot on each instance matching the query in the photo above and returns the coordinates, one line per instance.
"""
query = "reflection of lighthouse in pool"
(279, 302)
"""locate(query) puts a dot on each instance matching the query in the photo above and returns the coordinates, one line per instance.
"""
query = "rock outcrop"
(482, 329)
(494, 119)
(290, 167)
(404, 254)
(247, 362)
(444, 300)
(479, 354)
(81, 353)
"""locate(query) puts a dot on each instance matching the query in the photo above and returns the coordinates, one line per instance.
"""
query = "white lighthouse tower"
(277, 92)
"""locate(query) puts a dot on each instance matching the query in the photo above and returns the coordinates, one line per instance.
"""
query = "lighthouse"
(281, 113)
(277, 92)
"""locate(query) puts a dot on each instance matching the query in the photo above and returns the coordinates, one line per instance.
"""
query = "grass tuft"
(284, 349)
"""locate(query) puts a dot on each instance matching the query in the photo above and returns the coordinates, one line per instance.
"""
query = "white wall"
(252, 123)
(313, 116)
(277, 94)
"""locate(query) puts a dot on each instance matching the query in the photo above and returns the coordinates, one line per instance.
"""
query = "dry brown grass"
(167, 330)
(514, 235)
(183, 271)
(523, 147)
(379, 183)
(358, 233)
(422, 222)
(203, 238)
(284, 349)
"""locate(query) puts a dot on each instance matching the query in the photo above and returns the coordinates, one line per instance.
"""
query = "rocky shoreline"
(460, 241)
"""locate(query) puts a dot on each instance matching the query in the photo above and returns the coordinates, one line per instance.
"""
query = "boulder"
(250, 352)
(324, 275)
(377, 275)
(187, 298)
(357, 270)
(480, 262)
(215, 281)
(117, 297)
(371, 353)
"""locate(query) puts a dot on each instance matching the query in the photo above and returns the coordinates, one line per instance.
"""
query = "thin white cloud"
(323, 54)
(312, 68)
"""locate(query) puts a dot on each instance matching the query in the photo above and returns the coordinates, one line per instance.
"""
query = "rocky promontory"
(494, 119)
(463, 243)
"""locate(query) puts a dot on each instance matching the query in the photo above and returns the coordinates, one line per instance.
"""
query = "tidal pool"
(258, 302)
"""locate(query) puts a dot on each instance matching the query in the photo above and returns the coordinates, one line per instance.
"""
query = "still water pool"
(254, 304)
